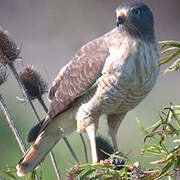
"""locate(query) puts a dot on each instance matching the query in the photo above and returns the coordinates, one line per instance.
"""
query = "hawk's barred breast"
(129, 74)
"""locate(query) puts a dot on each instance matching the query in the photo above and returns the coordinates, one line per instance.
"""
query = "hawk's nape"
(110, 75)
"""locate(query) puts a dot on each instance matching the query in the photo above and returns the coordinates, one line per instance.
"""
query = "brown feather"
(78, 76)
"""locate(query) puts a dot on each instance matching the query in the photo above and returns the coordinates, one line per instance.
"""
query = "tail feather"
(34, 132)
(37, 152)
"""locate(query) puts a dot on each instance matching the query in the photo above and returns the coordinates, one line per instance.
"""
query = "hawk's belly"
(115, 95)
(122, 95)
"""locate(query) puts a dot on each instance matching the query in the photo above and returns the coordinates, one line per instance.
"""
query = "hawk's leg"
(90, 125)
(114, 121)
(91, 131)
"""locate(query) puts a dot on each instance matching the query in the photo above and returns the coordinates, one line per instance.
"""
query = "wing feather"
(78, 76)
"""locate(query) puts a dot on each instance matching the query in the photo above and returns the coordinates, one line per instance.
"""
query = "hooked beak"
(121, 18)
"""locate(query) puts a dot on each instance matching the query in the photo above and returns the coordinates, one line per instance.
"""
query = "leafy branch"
(173, 49)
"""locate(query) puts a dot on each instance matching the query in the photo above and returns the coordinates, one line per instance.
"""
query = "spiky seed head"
(3, 74)
(8, 49)
(33, 82)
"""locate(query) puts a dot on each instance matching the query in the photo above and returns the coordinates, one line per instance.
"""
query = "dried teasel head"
(3, 74)
(33, 82)
(9, 51)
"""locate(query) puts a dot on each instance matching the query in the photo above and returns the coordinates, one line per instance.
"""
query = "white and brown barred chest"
(132, 80)
(124, 83)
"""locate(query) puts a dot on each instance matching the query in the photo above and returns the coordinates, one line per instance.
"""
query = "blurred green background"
(51, 32)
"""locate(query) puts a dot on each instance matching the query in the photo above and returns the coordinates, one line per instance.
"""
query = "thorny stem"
(13, 127)
(11, 65)
(64, 138)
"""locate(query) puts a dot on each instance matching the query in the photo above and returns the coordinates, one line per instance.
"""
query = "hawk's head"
(136, 18)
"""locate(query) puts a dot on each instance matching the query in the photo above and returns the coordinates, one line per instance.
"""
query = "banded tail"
(44, 142)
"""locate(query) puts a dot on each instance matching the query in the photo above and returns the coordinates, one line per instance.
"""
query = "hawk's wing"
(78, 76)
(74, 80)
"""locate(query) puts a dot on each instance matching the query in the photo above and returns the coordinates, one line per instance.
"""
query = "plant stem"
(70, 148)
(58, 175)
(166, 173)
(85, 149)
(12, 125)
(13, 69)
(41, 101)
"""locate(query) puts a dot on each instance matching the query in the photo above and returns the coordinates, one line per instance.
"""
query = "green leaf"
(33, 175)
(126, 173)
(170, 43)
(104, 176)
(169, 58)
(85, 172)
(174, 66)
(155, 149)
(92, 175)
(143, 130)
(166, 168)
(169, 49)
(155, 125)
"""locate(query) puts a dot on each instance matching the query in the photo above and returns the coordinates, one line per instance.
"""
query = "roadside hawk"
(109, 75)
